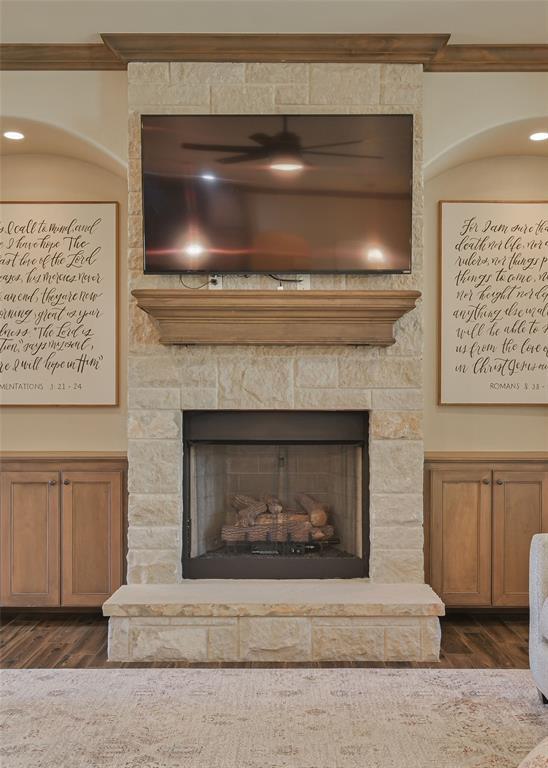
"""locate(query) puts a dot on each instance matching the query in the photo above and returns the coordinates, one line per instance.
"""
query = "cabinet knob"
(66, 482)
(485, 481)
(500, 482)
(52, 482)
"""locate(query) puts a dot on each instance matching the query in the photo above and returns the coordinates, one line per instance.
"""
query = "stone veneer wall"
(164, 380)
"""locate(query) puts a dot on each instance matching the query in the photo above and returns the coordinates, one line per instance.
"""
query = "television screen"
(277, 193)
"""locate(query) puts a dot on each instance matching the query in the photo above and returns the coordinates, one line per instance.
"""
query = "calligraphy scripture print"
(58, 303)
(493, 303)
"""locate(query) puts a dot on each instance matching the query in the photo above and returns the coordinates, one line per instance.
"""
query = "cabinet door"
(460, 541)
(520, 509)
(91, 537)
(29, 525)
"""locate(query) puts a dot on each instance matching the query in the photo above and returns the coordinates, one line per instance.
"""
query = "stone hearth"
(164, 381)
(270, 620)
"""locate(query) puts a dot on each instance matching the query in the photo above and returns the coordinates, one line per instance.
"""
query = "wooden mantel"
(276, 317)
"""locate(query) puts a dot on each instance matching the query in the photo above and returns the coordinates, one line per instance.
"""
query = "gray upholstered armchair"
(538, 602)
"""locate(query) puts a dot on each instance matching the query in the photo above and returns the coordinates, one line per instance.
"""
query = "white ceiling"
(468, 21)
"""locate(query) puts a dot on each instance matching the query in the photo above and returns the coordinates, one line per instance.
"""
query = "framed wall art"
(493, 303)
(59, 323)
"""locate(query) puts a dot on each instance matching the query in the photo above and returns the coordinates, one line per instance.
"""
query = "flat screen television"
(277, 193)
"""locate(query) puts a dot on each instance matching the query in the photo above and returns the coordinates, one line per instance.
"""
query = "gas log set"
(268, 520)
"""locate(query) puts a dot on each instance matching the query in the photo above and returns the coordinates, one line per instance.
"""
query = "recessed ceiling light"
(14, 135)
(539, 136)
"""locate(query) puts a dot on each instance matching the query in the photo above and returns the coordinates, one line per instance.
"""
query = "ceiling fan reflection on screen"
(283, 151)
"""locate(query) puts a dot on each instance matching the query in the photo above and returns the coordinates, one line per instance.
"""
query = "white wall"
(47, 177)
(477, 428)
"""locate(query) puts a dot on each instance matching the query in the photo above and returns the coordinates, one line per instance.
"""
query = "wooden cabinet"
(481, 513)
(29, 526)
(460, 537)
(62, 525)
(520, 509)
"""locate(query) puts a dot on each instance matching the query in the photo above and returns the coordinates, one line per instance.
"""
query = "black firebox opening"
(275, 494)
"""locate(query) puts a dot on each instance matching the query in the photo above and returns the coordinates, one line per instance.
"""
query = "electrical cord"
(209, 281)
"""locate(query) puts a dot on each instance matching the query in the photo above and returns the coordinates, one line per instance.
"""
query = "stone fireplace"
(397, 617)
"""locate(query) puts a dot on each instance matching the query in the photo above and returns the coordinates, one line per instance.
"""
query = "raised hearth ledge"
(274, 597)
(276, 317)
(273, 620)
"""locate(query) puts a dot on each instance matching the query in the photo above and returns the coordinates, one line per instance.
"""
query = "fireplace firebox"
(275, 494)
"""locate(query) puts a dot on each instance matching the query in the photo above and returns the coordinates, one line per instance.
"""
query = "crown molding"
(431, 50)
(73, 56)
(489, 58)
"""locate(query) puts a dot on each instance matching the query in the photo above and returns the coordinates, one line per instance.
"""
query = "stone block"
(396, 508)
(197, 372)
(316, 372)
(396, 466)
(236, 99)
(255, 382)
(154, 371)
(430, 639)
(336, 84)
(277, 73)
(154, 424)
(353, 641)
(291, 94)
(333, 399)
(134, 231)
(381, 373)
(156, 398)
(167, 643)
(395, 566)
(222, 643)
(401, 84)
(274, 639)
(327, 282)
(154, 509)
(135, 259)
(154, 466)
(397, 399)
(198, 397)
(381, 282)
(207, 72)
(139, 72)
(143, 332)
(157, 573)
(392, 425)
(397, 536)
(408, 333)
(154, 537)
(145, 95)
(402, 643)
(118, 639)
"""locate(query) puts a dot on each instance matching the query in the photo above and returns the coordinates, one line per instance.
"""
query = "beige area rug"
(269, 718)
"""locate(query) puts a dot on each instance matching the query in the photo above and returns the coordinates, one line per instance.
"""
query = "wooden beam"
(404, 49)
(489, 58)
(431, 51)
(36, 56)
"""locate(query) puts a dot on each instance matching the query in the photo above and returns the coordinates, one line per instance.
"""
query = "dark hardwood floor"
(76, 641)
